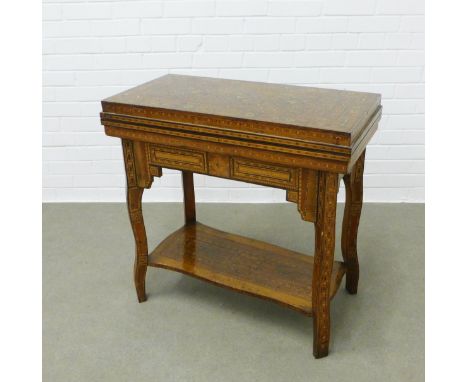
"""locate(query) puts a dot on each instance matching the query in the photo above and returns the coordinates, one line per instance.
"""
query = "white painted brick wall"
(93, 49)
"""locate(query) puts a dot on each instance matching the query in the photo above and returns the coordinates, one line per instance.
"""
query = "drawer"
(263, 173)
(176, 158)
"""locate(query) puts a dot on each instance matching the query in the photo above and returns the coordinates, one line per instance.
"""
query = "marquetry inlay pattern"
(299, 139)
(178, 158)
(264, 173)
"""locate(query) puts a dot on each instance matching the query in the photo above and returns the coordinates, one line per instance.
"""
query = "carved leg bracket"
(307, 194)
(352, 213)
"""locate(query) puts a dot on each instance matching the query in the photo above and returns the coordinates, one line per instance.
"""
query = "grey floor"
(95, 330)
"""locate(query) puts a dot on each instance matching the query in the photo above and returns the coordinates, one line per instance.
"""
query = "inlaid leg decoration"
(134, 195)
(323, 260)
(352, 213)
(189, 197)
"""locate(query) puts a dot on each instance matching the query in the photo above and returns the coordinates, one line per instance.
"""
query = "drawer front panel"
(267, 174)
(179, 159)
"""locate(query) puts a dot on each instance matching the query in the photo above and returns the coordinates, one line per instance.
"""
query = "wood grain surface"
(243, 264)
(309, 107)
(307, 113)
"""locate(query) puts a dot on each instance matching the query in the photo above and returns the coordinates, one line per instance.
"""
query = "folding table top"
(310, 114)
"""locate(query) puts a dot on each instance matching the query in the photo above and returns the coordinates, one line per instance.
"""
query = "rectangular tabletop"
(330, 121)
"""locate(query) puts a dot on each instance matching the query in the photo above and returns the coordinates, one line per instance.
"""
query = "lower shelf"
(243, 264)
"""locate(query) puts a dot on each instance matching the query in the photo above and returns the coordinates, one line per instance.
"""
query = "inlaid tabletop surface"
(339, 111)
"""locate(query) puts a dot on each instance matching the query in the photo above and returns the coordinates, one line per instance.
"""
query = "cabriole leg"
(352, 213)
(134, 196)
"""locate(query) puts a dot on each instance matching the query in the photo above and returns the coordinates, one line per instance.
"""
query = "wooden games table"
(299, 139)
